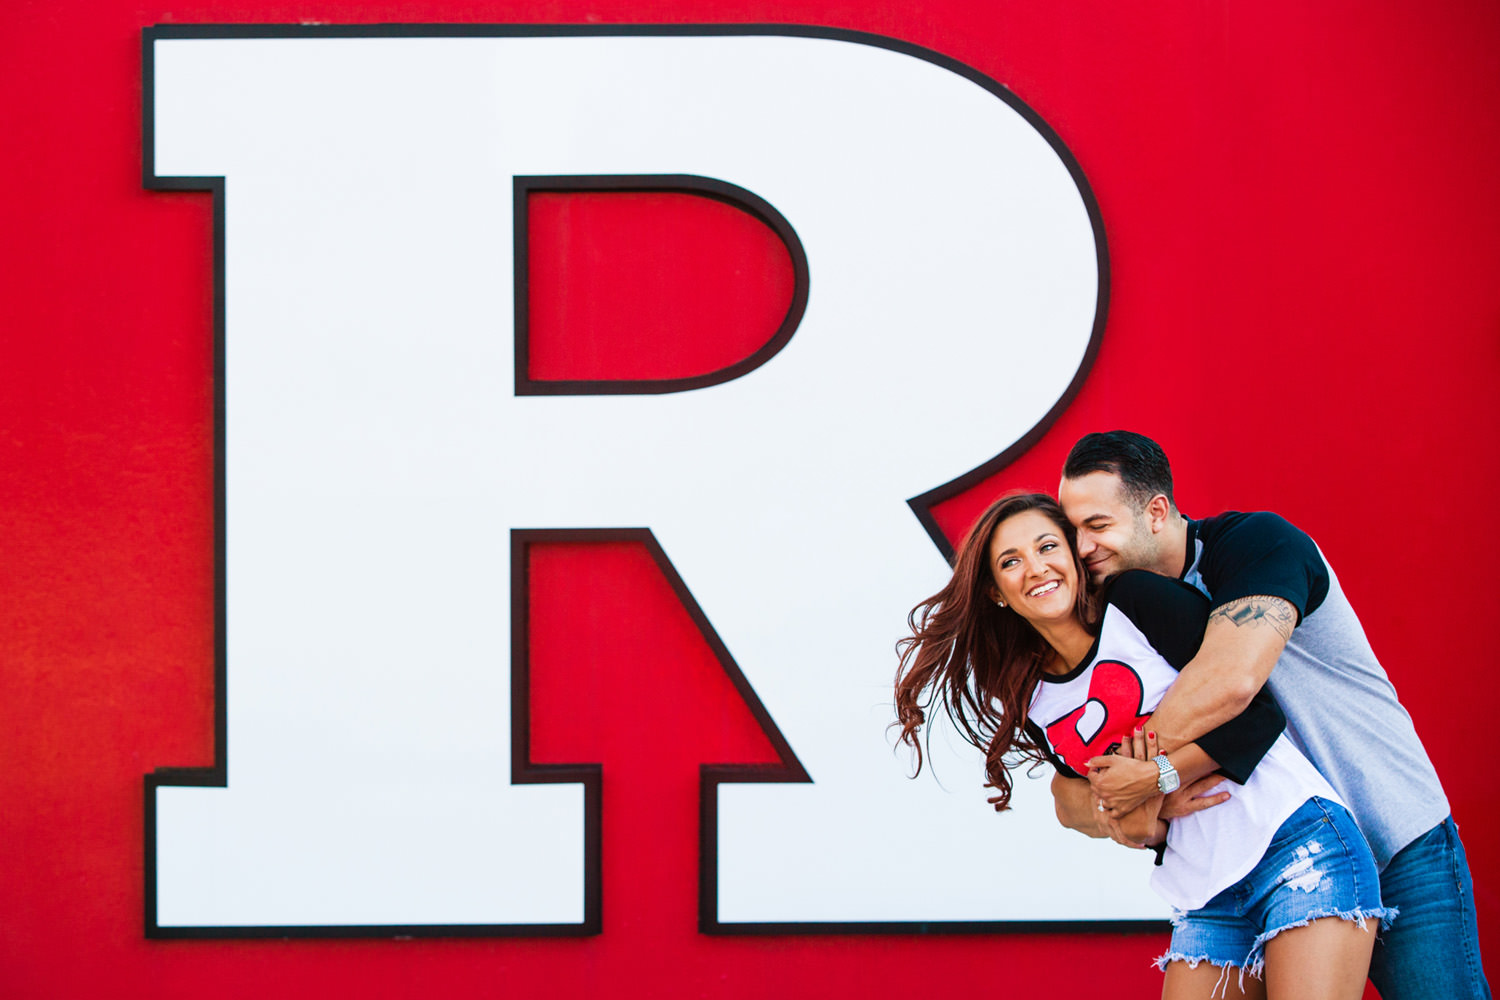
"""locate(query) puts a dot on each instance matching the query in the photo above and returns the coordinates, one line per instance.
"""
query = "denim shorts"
(1318, 865)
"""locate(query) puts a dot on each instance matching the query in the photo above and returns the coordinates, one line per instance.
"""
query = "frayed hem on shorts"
(1193, 961)
(1255, 962)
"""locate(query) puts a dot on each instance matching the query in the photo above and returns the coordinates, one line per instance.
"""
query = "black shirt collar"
(1189, 556)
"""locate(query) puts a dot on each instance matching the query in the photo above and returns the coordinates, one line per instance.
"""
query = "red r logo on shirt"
(1113, 709)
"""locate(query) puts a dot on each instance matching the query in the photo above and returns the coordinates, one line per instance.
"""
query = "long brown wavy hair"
(979, 661)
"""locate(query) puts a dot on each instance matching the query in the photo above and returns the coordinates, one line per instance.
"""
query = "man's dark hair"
(1139, 462)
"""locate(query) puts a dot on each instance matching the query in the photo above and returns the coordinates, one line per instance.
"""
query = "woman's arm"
(1075, 806)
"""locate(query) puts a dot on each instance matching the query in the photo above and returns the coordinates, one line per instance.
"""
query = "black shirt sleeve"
(1172, 616)
(1039, 738)
(1245, 555)
(1239, 744)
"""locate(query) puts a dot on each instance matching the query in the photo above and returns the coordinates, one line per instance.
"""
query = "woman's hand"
(1125, 780)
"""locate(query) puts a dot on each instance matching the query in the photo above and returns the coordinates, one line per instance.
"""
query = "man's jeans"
(1432, 949)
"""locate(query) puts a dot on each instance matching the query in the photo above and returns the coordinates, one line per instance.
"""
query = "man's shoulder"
(1235, 527)
(1260, 553)
(1169, 613)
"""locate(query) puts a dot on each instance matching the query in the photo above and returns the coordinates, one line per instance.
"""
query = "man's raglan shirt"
(1340, 706)
(1150, 628)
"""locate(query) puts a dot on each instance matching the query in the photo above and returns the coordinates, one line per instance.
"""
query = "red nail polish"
(1151, 736)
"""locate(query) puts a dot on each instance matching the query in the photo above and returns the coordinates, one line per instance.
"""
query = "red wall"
(1301, 213)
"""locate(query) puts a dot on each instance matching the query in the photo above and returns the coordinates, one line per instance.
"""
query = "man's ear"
(1158, 509)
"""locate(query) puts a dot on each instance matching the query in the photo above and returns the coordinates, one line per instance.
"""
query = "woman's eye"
(1048, 546)
(1007, 563)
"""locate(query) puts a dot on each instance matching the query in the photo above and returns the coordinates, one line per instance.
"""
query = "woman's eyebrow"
(1038, 538)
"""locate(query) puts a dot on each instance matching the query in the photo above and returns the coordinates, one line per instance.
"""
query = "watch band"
(1167, 779)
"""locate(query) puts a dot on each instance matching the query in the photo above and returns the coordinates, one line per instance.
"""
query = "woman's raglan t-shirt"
(1151, 626)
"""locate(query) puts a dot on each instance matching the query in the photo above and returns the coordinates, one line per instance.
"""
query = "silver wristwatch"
(1167, 781)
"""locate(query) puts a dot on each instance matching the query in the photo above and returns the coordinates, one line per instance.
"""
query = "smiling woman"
(976, 656)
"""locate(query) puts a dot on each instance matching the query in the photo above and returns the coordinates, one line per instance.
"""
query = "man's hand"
(1143, 826)
(1196, 797)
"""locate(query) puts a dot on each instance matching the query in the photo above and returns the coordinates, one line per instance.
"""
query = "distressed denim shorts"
(1318, 865)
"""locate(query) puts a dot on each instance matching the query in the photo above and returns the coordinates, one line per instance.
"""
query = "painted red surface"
(649, 285)
(1299, 202)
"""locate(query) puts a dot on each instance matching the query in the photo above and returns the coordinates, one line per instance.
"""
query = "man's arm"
(1241, 645)
(1243, 641)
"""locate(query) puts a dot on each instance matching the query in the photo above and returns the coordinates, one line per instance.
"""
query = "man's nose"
(1086, 545)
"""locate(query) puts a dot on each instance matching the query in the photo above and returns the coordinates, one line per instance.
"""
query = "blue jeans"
(1432, 950)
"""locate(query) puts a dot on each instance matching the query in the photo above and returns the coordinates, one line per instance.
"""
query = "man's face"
(1112, 535)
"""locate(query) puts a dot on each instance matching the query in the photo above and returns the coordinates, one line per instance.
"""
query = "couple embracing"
(1203, 688)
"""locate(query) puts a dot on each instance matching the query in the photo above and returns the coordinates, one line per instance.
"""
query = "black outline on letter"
(705, 187)
(591, 776)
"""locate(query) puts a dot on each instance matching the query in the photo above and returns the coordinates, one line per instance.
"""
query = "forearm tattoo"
(1253, 612)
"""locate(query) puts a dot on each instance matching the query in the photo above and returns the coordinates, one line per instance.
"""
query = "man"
(1277, 604)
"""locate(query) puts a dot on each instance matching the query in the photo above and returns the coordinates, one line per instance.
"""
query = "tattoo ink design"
(1256, 611)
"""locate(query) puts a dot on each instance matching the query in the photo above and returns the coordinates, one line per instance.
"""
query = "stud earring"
(1000, 603)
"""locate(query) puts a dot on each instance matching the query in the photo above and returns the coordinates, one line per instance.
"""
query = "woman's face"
(1033, 567)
